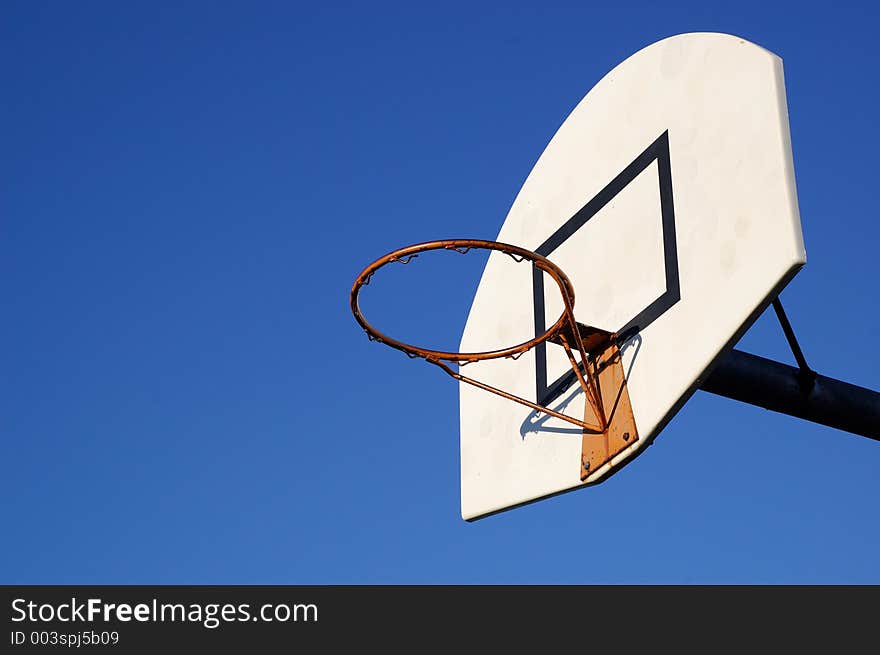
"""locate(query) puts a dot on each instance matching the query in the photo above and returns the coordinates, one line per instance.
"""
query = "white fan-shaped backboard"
(668, 197)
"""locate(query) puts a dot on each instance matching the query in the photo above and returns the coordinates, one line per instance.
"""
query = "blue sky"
(188, 193)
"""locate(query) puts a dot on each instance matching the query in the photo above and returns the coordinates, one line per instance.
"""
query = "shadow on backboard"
(536, 422)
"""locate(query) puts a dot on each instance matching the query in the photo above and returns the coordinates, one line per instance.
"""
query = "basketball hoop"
(564, 331)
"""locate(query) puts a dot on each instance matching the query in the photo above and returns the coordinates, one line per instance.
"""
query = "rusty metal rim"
(437, 357)
(404, 255)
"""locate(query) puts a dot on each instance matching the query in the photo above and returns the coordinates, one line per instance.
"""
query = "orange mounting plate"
(620, 431)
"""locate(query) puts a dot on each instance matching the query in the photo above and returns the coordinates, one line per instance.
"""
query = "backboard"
(668, 198)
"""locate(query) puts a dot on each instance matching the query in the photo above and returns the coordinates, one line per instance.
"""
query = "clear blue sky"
(188, 193)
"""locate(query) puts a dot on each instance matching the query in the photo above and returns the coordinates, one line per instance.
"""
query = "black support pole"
(781, 388)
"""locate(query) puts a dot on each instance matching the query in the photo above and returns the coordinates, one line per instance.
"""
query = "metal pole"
(779, 387)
